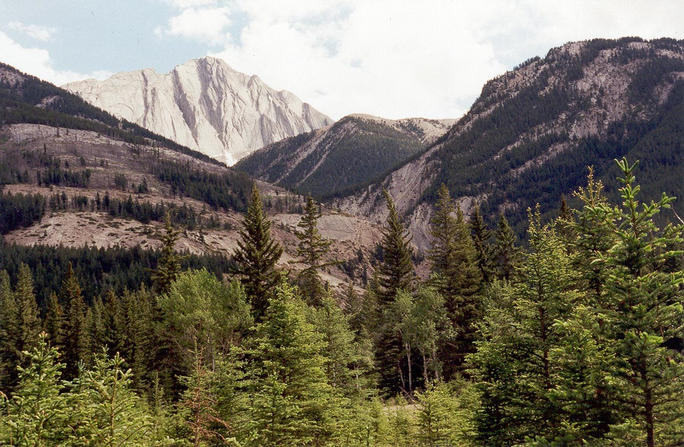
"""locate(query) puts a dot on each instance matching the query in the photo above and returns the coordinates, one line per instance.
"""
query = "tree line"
(571, 339)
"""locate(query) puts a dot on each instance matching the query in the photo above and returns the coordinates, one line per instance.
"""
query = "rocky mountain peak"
(206, 105)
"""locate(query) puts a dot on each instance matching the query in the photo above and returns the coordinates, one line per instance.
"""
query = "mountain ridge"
(540, 125)
(354, 150)
(204, 104)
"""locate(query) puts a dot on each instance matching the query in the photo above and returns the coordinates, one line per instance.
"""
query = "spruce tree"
(256, 256)
(506, 254)
(311, 251)
(74, 328)
(286, 377)
(456, 277)
(27, 310)
(109, 412)
(643, 312)
(169, 264)
(37, 414)
(54, 322)
(481, 240)
(514, 363)
(396, 270)
(395, 273)
(9, 333)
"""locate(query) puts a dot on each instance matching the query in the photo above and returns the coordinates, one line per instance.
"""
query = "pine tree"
(311, 251)
(256, 256)
(395, 273)
(74, 329)
(506, 254)
(169, 264)
(481, 236)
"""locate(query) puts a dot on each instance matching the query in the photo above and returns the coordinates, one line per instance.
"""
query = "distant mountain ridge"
(530, 135)
(355, 150)
(206, 105)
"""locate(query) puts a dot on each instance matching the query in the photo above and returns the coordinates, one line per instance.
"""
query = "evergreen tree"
(256, 256)
(588, 236)
(168, 266)
(75, 340)
(9, 333)
(27, 311)
(199, 405)
(396, 270)
(286, 373)
(37, 415)
(643, 312)
(54, 323)
(311, 251)
(506, 254)
(109, 412)
(481, 236)
(456, 276)
(514, 363)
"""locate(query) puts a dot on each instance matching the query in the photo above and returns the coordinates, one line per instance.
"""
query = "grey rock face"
(206, 105)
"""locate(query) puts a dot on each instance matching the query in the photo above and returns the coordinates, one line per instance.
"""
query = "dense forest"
(352, 152)
(572, 338)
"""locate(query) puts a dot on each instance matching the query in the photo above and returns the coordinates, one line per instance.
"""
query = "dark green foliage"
(75, 337)
(505, 253)
(20, 210)
(311, 250)
(361, 155)
(120, 181)
(481, 235)
(228, 190)
(256, 256)
(169, 264)
(98, 270)
(396, 271)
(63, 177)
(456, 277)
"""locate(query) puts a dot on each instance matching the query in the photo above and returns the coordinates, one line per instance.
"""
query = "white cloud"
(399, 58)
(205, 24)
(42, 33)
(37, 62)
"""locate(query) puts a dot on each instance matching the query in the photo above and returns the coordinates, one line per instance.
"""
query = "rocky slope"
(205, 105)
(355, 150)
(530, 135)
(107, 183)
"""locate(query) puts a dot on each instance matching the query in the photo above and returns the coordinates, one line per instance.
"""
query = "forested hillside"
(573, 340)
(356, 150)
(27, 99)
(532, 132)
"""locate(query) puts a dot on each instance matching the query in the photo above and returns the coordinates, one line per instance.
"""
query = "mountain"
(355, 150)
(205, 105)
(532, 132)
(72, 175)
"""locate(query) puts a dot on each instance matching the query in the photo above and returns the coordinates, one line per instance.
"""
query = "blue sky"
(391, 58)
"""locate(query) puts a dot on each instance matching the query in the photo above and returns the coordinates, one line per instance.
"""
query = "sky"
(390, 58)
